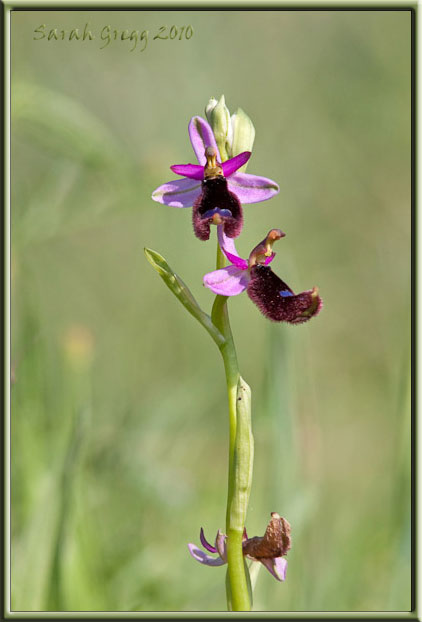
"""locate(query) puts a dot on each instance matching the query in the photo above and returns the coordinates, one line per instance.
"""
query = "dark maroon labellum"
(216, 204)
(277, 301)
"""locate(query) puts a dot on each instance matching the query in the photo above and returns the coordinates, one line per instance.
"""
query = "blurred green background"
(119, 418)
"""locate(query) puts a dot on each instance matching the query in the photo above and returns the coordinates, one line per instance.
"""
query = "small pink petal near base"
(229, 281)
(220, 543)
(277, 566)
(229, 249)
(203, 558)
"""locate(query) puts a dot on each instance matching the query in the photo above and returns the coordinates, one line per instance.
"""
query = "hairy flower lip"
(216, 205)
(277, 301)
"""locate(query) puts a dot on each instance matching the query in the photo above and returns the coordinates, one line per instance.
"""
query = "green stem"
(238, 588)
(220, 318)
(241, 594)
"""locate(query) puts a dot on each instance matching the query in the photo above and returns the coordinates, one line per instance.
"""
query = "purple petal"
(220, 543)
(203, 558)
(280, 567)
(193, 171)
(201, 137)
(229, 281)
(252, 188)
(229, 249)
(277, 566)
(178, 193)
(231, 166)
(206, 544)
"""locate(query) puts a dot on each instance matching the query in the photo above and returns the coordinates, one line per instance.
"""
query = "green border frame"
(299, 5)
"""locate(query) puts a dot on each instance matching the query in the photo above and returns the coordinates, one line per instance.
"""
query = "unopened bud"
(219, 118)
(210, 107)
(243, 134)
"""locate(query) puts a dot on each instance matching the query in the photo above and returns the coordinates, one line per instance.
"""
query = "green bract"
(183, 293)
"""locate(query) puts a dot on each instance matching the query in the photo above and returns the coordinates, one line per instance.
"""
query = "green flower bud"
(243, 134)
(218, 116)
(210, 107)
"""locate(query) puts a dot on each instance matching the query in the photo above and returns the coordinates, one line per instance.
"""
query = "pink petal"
(193, 171)
(277, 566)
(280, 567)
(229, 249)
(231, 166)
(252, 188)
(203, 558)
(178, 193)
(201, 137)
(229, 281)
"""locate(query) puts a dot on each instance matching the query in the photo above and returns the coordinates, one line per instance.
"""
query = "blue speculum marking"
(285, 293)
(223, 212)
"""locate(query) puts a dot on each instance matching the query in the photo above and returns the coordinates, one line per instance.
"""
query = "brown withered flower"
(268, 549)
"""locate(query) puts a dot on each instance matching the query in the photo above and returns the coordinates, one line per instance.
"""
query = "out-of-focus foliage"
(119, 422)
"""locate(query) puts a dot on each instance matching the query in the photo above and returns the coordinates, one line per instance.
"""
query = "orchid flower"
(274, 298)
(214, 189)
(268, 550)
